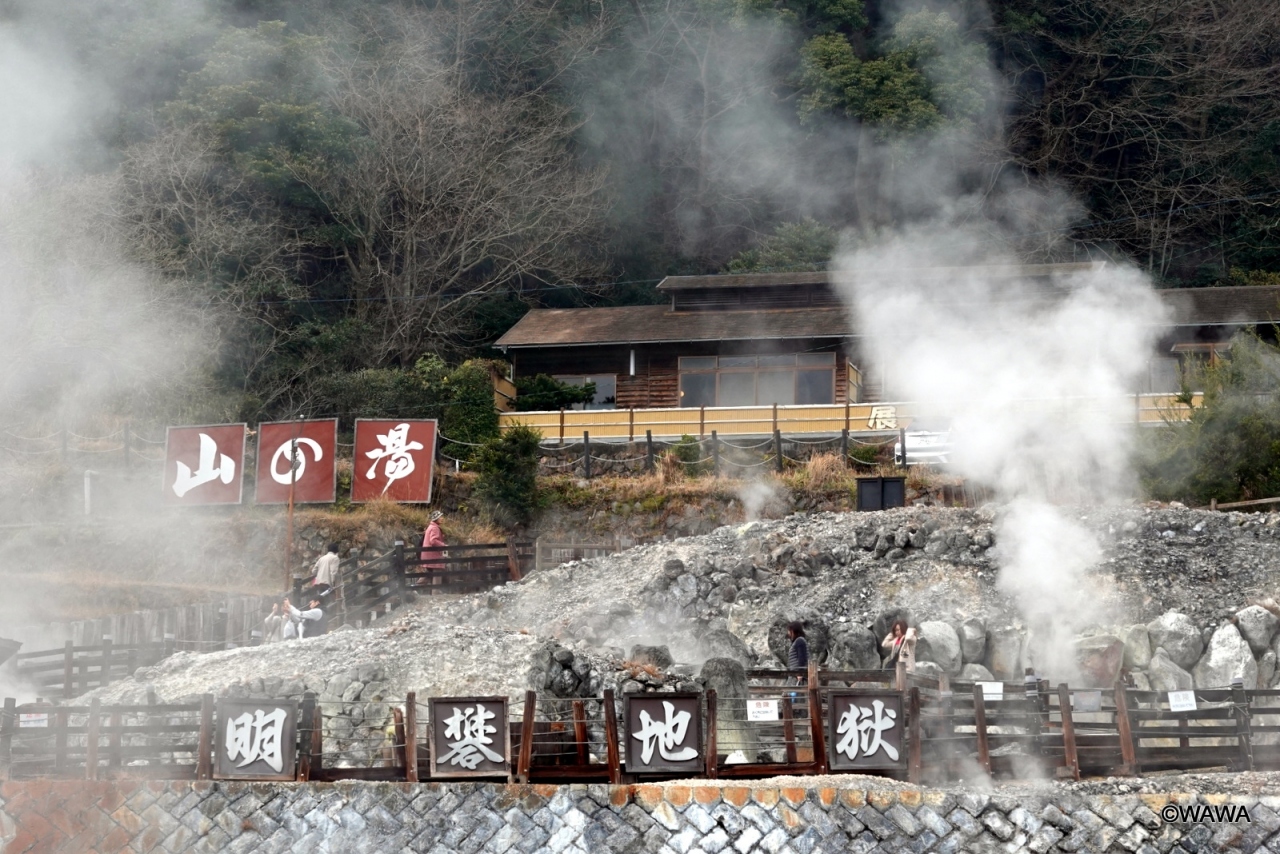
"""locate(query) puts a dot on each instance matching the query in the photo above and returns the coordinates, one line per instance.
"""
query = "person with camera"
(307, 623)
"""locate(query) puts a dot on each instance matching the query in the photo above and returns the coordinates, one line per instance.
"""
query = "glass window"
(778, 361)
(816, 358)
(777, 387)
(697, 363)
(698, 389)
(606, 396)
(737, 388)
(813, 387)
(737, 361)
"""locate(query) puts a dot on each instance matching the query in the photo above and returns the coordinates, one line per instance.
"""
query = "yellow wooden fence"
(857, 418)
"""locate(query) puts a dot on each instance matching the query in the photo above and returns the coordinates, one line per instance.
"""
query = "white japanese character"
(290, 450)
(257, 737)
(224, 470)
(395, 447)
(883, 418)
(666, 735)
(468, 731)
(863, 730)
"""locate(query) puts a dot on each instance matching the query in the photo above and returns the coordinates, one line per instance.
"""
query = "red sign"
(204, 465)
(313, 472)
(393, 460)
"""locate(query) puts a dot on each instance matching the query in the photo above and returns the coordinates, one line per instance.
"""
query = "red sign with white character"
(204, 465)
(297, 456)
(393, 460)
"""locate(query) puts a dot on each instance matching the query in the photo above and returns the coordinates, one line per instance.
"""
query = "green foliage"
(793, 247)
(470, 415)
(1229, 450)
(541, 393)
(507, 486)
(689, 452)
(868, 455)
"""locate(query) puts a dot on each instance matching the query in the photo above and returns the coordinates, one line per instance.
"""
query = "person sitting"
(304, 624)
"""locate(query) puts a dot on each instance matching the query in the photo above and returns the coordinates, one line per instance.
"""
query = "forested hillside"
(347, 192)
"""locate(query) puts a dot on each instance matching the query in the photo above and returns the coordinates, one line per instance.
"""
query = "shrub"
(542, 393)
(469, 414)
(689, 451)
(507, 482)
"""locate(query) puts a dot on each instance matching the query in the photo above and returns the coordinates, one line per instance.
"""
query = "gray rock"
(1228, 657)
(728, 679)
(722, 643)
(658, 656)
(1266, 669)
(1258, 627)
(1099, 659)
(973, 640)
(1004, 652)
(930, 668)
(939, 643)
(1178, 636)
(1137, 646)
(1165, 675)
(975, 673)
(673, 568)
(854, 647)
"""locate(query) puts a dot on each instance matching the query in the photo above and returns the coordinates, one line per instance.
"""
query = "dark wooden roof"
(642, 324)
(639, 324)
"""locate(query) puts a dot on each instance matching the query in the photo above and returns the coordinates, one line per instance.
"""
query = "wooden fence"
(951, 732)
(74, 670)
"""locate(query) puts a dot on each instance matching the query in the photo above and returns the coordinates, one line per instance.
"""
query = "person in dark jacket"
(798, 654)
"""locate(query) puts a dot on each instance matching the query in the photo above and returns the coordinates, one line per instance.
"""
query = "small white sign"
(762, 710)
(40, 719)
(1182, 701)
(992, 690)
(1086, 701)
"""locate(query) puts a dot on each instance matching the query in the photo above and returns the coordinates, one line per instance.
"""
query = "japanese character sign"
(866, 730)
(664, 732)
(204, 465)
(300, 455)
(393, 459)
(883, 418)
(470, 737)
(256, 740)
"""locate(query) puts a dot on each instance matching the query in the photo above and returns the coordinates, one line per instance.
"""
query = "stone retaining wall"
(478, 817)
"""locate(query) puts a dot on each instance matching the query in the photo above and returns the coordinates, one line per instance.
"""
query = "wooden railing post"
(844, 444)
(411, 737)
(915, 746)
(777, 447)
(68, 671)
(586, 455)
(204, 757)
(1128, 753)
(1068, 731)
(789, 731)
(980, 727)
(1244, 734)
(648, 451)
(713, 755)
(91, 740)
(715, 454)
(104, 669)
(815, 719)
(526, 737)
(8, 723)
(580, 732)
(513, 561)
(400, 748)
(611, 739)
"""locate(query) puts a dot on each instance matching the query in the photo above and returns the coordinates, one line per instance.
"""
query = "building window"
(606, 390)
(792, 378)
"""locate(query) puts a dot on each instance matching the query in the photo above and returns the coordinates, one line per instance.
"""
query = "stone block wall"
(442, 818)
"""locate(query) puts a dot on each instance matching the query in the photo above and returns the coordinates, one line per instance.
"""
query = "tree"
(793, 247)
(543, 393)
(507, 486)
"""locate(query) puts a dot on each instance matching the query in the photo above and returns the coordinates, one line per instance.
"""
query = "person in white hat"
(433, 545)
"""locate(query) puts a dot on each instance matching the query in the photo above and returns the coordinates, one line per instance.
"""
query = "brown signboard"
(663, 732)
(297, 456)
(204, 465)
(393, 460)
(469, 737)
(255, 740)
(866, 731)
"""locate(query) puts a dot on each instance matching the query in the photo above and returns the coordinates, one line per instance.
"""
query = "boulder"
(728, 678)
(1266, 669)
(1165, 675)
(722, 643)
(1099, 659)
(1137, 646)
(658, 656)
(854, 647)
(1004, 652)
(1178, 636)
(930, 669)
(939, 643)
(975, 673)
(1258, 627)
(1228, 657)
(973, 640)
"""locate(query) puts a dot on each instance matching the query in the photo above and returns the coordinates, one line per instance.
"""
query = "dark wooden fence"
(74, 670)
(952, 731)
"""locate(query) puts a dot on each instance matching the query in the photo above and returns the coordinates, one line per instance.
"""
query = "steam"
(1036, 372)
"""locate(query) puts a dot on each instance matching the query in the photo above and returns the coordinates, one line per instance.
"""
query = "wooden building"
(788, 339)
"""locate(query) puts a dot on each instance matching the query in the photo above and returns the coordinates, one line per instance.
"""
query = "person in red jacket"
(433, 545)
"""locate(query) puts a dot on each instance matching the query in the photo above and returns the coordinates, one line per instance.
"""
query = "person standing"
(433, 545)
(273, 625)
(326, 571)
(797, 659)
(901, 644)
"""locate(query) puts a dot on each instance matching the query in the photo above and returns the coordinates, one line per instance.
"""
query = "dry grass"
(669, 469)
(635, 668)
(827, 472)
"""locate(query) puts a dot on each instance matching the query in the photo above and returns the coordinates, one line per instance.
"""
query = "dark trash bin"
(881, 493)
